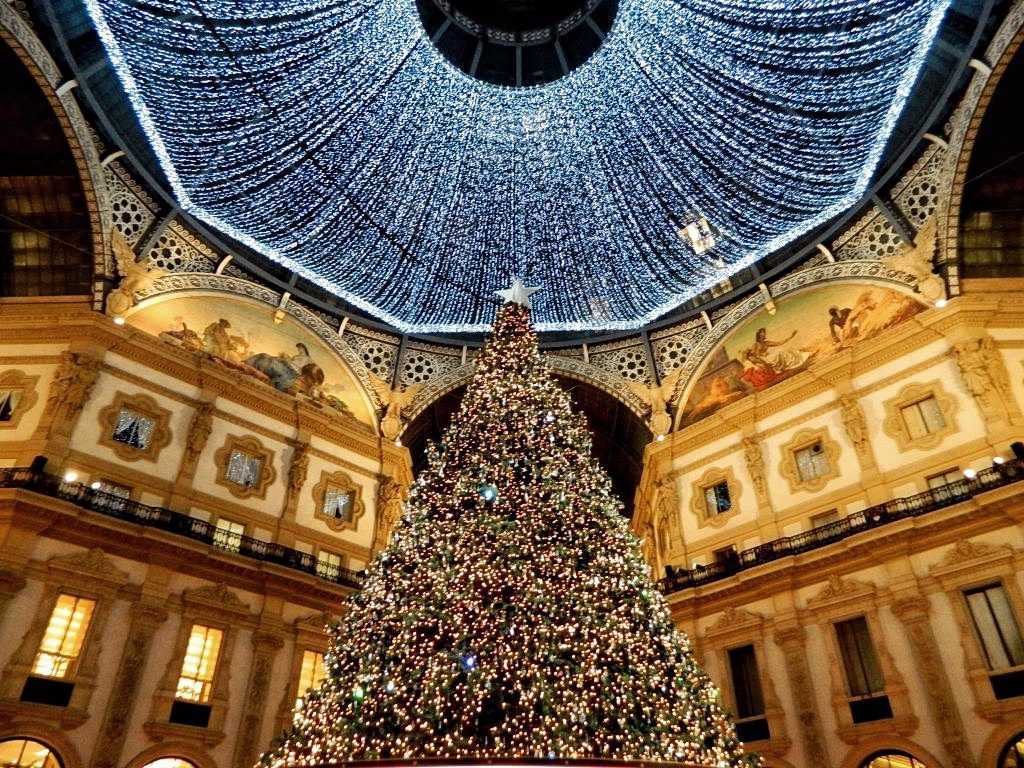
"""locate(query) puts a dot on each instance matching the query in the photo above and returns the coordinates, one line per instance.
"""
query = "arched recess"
(997, 741)
(965, 125)
(880, 744)
(55, 739)
(718, 372)
(172, 749)
(619, 435)
(24, 45)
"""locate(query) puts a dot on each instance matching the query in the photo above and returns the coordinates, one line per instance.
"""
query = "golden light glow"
(64, 636)
(311, 675)
(195, 683)
(26, 753)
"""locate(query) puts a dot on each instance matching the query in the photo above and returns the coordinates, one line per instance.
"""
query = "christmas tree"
(512, 614)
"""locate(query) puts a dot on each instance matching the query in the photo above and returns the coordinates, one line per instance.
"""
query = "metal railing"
(112, 505)
(873, 517)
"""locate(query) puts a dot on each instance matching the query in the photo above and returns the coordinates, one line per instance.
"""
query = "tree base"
(503, 762)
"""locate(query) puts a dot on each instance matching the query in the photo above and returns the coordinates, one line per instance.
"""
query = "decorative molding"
(69, 390)
(698, 504)
(253, 447)
(388, 510)
(146, 406)
(895, 426)
(93, 564)
(216, 597)
(341, 481)
(805, 438)
(984, 374)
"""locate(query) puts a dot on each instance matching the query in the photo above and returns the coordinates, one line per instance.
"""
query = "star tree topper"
(518, 293)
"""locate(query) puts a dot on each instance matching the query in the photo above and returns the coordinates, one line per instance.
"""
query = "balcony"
(997, 476)
(115, 506)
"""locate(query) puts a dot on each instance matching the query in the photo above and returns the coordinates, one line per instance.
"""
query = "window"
(26, 753)
(824, 518)
(195, 683)
(169, 762)
(328, 564)
(726, 555)
(9, 399)
(716, 498)
(923, 417)
(1013, 753)
(64, 636)
(114, 489)
(892, 760)
(338, 503)
(863, 673)
(812, 462)
(996, 626)
(751, 723)
(244, 469)
(227, 534)
(944, 478)
(133, 429)
(311, 673)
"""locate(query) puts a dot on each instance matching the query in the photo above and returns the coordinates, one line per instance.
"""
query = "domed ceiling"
(411, 156)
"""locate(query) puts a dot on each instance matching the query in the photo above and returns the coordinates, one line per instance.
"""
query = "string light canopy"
(336, 138)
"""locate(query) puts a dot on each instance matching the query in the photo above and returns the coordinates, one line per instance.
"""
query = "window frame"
(28, 387)
(145, 406)
(222, 534)
(73, 662)
(253, 447)
(337, 480)
(984, 589)
(712, 477)
(207, 687)
(895, 426)
(789, 465)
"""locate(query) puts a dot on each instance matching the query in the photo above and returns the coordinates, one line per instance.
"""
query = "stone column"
(146, 618)
(265, 647)
(791, 641)
(913, 613)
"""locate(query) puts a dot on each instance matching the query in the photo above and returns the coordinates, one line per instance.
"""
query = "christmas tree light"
(333, 137)
(519, 624)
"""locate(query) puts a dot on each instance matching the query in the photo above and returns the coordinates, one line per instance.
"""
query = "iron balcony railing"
(931, 500)
(112, 505)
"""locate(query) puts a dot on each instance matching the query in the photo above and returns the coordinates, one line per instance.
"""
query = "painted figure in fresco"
(186, 338)
(765, 370)
(837, 322)
(290, 373)
(219, 343)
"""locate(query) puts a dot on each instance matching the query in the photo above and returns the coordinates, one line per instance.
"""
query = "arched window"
(26, 753)
(892, 759)
(169, 762)
(1013, 753)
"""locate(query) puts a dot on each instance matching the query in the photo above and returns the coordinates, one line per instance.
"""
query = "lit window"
(228, 534)
(892, 760)
(9, 399)
(825, 518)
(860, 662)
(133, 429)
(26, 753)
(726, 555)
(996, 626)
(328, 564)
(244, 469)
(64, 636)
(716, 499)
(338, 504)
(812, 462)
(114, 489)
(196, 681)
(169, 762)
(944, 478)
(923, 417)
(311, 674)
(1013, 753)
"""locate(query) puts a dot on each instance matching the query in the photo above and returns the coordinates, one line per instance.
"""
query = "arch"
(181, 750)
(859, 754)
(32, 53)
(965, 125)
(50, 737)
(997, 742)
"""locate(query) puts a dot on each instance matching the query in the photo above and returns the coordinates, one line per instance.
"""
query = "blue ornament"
(488, 493)
(467, 662)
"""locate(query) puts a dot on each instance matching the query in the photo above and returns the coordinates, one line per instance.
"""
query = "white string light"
(331, 136)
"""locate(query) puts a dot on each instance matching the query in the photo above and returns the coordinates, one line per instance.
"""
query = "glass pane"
(894, 760)
(133, 429)
(244, 469)
(1013, 754)
(169, 762)
(988, 631)
(1007, 624)
(913, 420)
(199, 664)
(863, 672)
(65, 633)
(338, 504)
(931, 414)
(722, 500)
(26, 753)
(746, 682)
(8, 403)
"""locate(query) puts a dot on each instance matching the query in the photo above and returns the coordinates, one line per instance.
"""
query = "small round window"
(169, 762)
(1013, 753)
(27, 753)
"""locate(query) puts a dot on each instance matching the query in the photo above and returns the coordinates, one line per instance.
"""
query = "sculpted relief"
(808, 327)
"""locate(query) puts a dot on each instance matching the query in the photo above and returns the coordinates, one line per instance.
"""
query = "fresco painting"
(242, 337)
(806, 328)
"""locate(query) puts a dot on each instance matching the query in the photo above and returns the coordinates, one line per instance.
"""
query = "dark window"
(717, 499)
(746, 682)
(726, 555)
(996, 626)
(187, 713)
(133, 429)
(860, 662)
(44, 690)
